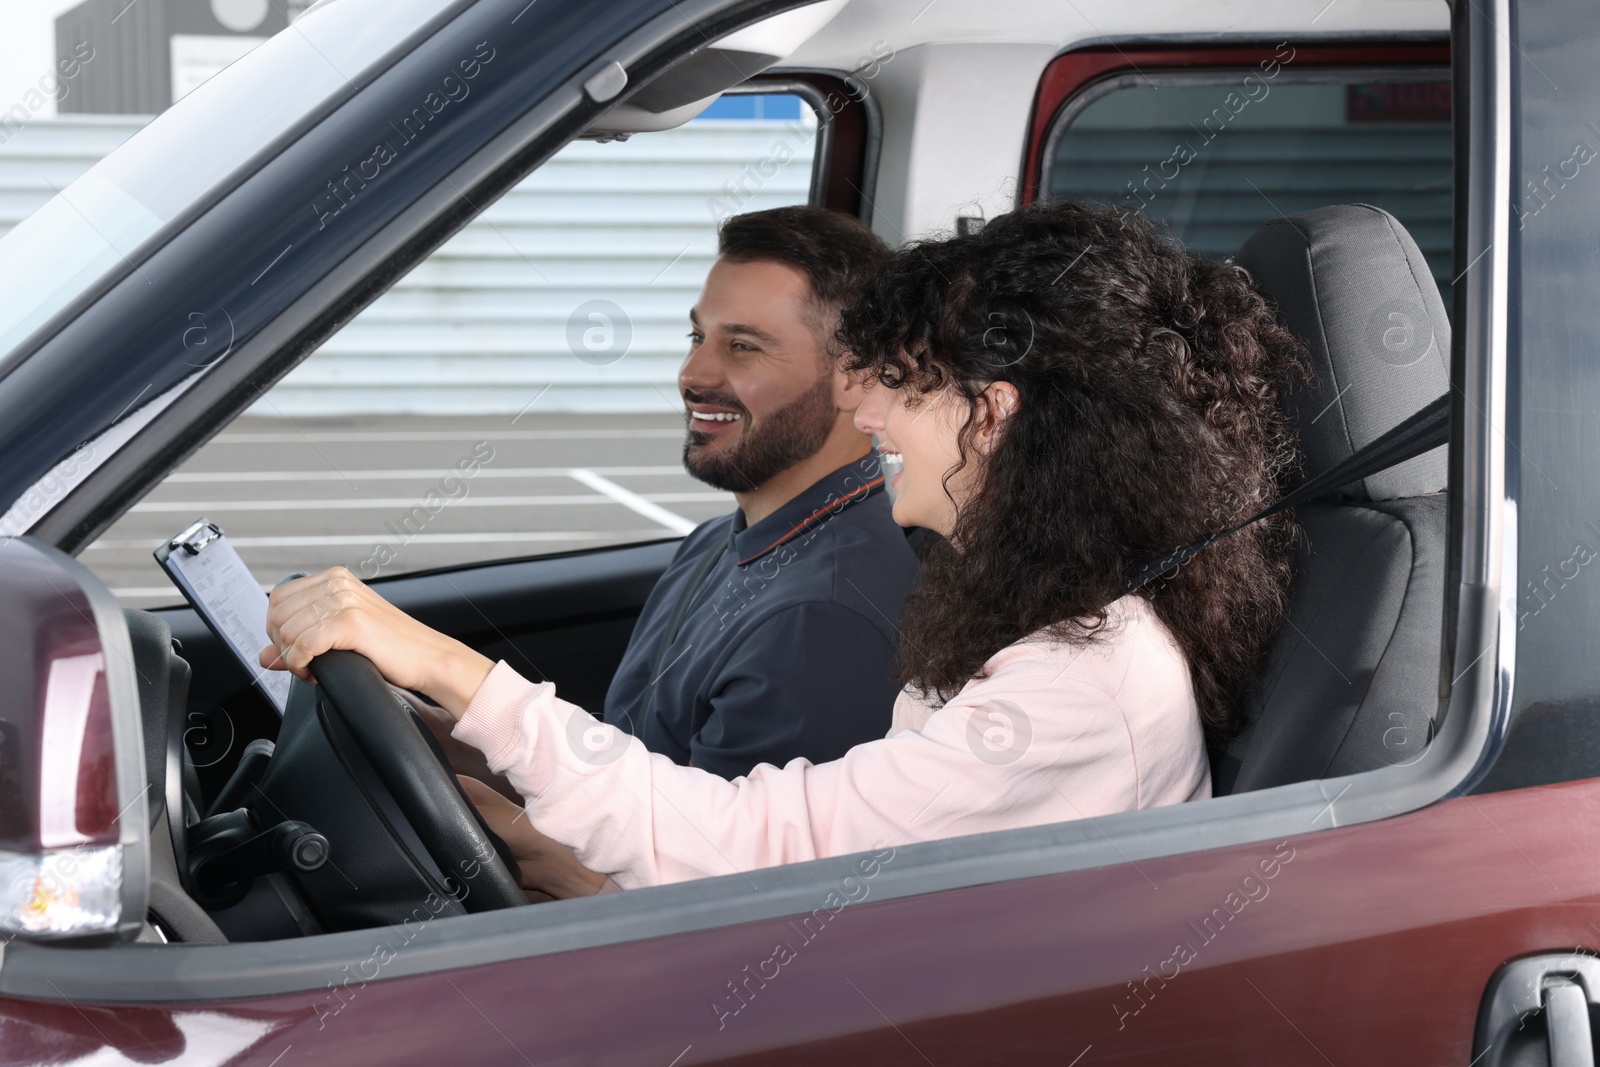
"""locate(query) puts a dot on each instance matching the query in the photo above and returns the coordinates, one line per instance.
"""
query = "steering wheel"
(422, 786)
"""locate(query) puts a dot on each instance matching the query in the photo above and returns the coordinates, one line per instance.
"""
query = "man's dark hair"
(836, 252)
(1148, 383)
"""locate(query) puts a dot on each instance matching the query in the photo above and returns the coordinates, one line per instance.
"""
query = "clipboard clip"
(196, 537)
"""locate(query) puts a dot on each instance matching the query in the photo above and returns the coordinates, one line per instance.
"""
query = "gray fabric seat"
(1350, 682)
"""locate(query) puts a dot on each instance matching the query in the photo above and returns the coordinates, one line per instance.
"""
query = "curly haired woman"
(1071, 395)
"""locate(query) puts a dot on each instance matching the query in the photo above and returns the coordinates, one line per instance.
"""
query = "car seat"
(1351, 680)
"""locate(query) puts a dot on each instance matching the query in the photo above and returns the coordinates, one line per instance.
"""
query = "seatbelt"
(1422, 432)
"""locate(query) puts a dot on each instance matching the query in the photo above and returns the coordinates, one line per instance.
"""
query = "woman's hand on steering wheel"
(546, 868)
(334, 609)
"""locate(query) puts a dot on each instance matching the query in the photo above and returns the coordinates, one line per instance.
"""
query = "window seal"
(822, 154)
(850, 182)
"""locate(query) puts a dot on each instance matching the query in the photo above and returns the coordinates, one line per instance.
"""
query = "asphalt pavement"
(388, 494)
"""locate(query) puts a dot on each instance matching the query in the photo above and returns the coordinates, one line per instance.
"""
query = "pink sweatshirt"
(1055, 732)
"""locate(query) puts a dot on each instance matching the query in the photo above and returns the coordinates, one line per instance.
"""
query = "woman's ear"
(998, 402)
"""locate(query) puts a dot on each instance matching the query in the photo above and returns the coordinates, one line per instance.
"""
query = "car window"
(1215, 154)
(513, 395)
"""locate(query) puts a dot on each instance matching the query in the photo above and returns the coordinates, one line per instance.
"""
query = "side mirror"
(74, 846)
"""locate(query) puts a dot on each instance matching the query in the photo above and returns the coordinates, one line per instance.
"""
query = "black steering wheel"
(422, 786)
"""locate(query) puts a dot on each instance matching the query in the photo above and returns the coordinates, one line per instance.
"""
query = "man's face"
(757, 387)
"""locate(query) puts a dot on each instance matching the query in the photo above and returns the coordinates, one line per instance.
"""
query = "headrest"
(1351, 283)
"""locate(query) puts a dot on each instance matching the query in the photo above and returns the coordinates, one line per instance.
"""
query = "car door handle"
(1566, 1013)
(1539, 1004)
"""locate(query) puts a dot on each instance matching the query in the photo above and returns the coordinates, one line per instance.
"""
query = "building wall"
(135, 47)
(506, 310)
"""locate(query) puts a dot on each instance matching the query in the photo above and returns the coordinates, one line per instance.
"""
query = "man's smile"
(711, 419)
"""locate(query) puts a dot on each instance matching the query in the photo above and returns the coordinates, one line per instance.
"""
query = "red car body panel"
(1396, 924)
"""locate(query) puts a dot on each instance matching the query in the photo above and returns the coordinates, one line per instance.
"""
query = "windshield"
(192, 149)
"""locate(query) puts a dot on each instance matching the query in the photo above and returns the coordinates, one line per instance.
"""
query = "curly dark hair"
(1149, 418)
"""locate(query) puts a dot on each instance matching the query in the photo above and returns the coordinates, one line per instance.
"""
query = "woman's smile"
(894, 464)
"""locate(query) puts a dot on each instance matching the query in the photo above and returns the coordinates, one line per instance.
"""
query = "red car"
(1396, 867)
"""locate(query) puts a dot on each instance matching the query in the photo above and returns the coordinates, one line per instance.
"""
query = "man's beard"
(794, 433)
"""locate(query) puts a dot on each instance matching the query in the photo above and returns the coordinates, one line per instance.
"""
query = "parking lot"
(385, 495)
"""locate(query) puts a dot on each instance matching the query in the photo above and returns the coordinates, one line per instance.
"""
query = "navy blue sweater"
(786, 644)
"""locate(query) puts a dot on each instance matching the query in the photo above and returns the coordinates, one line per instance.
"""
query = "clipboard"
(211, 576)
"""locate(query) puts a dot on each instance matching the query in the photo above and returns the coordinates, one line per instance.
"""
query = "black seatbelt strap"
(675, 621)
(1422, 432)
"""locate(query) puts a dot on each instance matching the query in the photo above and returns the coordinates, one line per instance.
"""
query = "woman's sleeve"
(645, 820)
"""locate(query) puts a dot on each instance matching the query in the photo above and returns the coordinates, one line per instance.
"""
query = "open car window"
(513, 395)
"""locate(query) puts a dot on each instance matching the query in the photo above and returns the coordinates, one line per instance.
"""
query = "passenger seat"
(1351, 681)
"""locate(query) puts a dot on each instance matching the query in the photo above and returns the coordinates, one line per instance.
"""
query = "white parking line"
(629, 499)
(411, 503)
(434, 472)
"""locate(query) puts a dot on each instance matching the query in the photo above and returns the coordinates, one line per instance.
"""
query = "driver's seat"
(1351, 681)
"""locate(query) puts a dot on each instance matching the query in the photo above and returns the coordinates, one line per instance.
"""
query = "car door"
(1353, 920)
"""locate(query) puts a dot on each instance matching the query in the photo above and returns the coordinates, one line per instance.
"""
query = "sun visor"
(686, 89)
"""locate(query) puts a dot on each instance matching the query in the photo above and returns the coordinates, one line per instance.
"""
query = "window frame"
(1104, 86)
(1464, 746)
(812, 97)
(847, 175)
(1072, 73)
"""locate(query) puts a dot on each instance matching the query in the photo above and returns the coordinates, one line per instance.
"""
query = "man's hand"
(308, 616)
(545, 867)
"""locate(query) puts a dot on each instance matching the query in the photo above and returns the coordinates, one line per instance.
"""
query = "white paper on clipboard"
(210, 574)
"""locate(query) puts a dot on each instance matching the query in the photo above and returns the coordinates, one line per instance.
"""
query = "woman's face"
(923, 430)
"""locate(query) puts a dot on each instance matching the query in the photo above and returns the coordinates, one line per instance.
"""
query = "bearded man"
(771, 636)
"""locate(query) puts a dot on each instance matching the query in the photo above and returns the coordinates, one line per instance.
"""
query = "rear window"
(1214, 154)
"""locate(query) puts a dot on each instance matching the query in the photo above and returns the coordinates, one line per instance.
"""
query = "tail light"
(73, 846)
